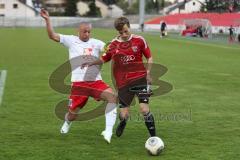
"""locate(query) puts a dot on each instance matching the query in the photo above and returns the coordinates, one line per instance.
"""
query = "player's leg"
(125, 97)
(70, 116)
(110, 112)
(101, 91)
(143, 97)
(123, 117)
(148, 118)
(75, 104)
(230, 38)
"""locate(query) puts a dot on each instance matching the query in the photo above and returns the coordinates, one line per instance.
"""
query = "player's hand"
(86, 64)
(44, 14)
(149, 79)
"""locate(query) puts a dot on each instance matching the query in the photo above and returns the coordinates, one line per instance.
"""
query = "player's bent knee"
(124, 112)
(123, 116)
(112, 98)
(109, 96)
(144, 109)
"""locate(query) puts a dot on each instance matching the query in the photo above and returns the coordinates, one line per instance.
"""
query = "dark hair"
(120, 22)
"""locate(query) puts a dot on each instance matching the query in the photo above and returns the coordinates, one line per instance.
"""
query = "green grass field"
(205, 97)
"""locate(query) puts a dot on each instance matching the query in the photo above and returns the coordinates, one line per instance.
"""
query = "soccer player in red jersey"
(131, 76)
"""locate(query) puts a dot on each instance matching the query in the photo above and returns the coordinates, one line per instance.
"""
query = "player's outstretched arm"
(88, 64)
(51, 34)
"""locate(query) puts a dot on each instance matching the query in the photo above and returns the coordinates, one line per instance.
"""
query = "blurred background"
(215, 16)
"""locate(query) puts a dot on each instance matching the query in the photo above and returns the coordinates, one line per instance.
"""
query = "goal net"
(196, 28)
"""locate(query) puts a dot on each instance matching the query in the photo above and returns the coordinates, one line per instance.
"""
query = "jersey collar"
(120, 40)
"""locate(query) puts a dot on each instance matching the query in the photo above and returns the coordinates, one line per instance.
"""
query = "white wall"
(189, 7)
(21, 11)
(39, 21)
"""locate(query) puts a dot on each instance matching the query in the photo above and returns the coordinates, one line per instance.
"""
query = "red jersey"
(127, 59)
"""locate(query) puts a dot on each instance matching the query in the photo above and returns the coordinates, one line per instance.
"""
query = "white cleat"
(107, 136)
(65, 127)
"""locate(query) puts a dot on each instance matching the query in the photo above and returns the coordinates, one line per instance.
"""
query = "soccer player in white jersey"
(85, 82)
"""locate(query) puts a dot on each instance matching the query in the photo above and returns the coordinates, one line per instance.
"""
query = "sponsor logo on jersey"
(127, 58)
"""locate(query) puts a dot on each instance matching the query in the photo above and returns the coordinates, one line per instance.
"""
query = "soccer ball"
(154, 146)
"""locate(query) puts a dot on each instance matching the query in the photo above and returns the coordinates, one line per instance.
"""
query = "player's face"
(125, 33)
(84, 32)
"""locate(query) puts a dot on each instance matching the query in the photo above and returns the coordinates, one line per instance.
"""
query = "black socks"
(149, 121)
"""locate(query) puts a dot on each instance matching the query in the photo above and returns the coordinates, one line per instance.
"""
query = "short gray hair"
(85, 23)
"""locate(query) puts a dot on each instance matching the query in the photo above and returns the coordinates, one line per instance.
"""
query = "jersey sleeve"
(101, 46)
(107, 52)
(66, 40)
(145, 49)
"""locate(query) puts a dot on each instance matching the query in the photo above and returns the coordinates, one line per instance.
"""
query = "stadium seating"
(224, 19)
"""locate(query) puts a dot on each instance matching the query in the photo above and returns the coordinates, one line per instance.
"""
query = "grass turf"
(198, 119)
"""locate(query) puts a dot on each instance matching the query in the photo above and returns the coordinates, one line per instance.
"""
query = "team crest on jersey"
(134, 48)
(88, 51)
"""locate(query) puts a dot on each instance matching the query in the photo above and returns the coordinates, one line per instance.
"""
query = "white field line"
(3, 77)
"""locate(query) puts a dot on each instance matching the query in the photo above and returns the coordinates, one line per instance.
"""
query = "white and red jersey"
(127, 59)
(80, 52)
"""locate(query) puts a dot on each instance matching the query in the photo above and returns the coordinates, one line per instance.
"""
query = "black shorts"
(138, 88)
